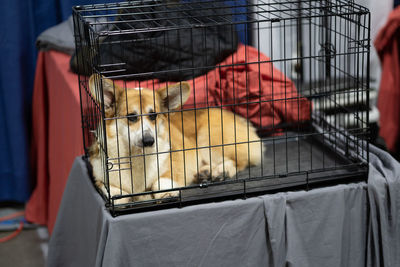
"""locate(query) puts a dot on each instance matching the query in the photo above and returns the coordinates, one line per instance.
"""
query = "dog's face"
(141, 115)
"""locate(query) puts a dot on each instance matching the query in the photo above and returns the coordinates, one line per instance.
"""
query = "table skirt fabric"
(343, 225)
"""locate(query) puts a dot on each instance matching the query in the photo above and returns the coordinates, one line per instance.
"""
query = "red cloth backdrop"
(387, 45)
(57, 133)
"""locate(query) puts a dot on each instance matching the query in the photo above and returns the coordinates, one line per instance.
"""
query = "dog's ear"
(174, 96)
(110, 90)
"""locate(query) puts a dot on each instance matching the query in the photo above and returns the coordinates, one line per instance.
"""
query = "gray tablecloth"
(344, 225)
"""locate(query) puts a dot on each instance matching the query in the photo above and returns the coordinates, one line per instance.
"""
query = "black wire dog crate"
(191, 101)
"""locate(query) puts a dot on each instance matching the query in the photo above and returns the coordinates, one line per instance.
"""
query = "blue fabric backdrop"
(20, 24)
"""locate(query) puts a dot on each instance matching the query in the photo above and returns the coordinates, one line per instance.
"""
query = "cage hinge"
(328, 50)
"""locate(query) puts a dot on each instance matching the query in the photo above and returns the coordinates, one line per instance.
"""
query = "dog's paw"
(142, 198)
(170, 194)
(203, 176)
(164, 184)
(124, 200)
(223, 171)
(221, 177)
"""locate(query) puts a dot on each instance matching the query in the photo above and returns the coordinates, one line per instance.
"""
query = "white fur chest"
(136, 169)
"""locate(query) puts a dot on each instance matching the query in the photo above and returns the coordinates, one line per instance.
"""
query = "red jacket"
(249, 84)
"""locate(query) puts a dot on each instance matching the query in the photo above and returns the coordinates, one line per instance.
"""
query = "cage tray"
(290, 162)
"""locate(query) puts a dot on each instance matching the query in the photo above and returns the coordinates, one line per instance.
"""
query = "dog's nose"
(148, 140)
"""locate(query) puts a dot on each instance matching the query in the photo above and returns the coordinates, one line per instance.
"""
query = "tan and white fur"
(153, 145)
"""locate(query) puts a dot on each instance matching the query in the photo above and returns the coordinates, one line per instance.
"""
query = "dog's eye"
(153, 116)
(132, 117)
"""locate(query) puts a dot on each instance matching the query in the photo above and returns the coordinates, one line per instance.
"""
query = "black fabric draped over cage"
(176, 109)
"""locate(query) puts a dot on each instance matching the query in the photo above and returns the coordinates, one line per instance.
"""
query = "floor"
(29, 247)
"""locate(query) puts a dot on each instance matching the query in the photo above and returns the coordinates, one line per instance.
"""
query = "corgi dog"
(153, 145)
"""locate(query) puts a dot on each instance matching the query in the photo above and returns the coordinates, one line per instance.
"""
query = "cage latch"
(203, 185)
(110, 165)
